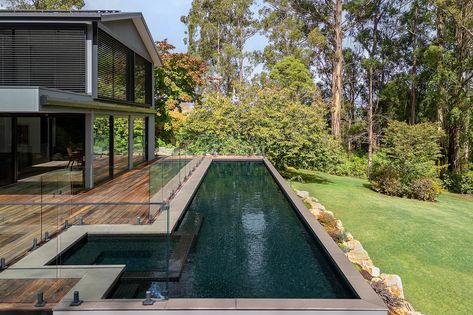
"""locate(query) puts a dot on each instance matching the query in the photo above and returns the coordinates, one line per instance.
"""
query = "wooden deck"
(20, 294)
(27, 212)
(21, 223)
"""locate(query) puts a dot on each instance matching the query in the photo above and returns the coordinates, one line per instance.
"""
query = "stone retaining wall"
(388, 286)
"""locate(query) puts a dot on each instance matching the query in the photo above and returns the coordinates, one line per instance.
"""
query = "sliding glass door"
(112, 145)
(102, 148)
(139, 140)
(33, 134)
(6, 151)
(33, 145)
(121, 138)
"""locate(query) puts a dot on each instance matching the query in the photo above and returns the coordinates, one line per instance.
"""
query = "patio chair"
(74, 156)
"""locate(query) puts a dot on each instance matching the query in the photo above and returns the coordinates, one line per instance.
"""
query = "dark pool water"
(251, 244)
(138, 253)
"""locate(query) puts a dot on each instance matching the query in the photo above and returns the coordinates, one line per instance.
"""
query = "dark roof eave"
(85, 17)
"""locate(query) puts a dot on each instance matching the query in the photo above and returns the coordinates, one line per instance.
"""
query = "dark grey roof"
(85, 15)
(62, 14)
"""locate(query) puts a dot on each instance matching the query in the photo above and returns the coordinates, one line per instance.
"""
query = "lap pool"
(240, 237)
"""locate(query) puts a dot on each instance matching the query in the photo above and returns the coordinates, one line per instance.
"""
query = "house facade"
(76, 92)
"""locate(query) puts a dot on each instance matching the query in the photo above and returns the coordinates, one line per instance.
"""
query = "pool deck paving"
(97, 280)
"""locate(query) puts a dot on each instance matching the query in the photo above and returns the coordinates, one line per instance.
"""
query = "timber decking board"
(19, 224)
(21, 293)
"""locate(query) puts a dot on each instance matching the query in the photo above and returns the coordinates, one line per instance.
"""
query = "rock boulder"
(302, 194)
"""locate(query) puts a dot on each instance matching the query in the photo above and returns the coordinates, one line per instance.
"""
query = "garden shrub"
(426, 189)
(355, 166)
(406, 165)
(460, 183)
(385, 179)
(290, 133)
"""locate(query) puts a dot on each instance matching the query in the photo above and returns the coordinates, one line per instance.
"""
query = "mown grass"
(429, 244)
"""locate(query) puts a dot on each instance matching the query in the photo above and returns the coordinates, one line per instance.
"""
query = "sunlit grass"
(429, 244)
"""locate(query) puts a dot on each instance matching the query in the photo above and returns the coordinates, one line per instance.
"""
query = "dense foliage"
(269, 120)
(459, 182)
(374, 62)
(292, 74)
(43, 4)
(178, 81)
(407, 165)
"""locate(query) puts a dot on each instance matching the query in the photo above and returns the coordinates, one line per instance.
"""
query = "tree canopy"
(179, 81)
(44, 4)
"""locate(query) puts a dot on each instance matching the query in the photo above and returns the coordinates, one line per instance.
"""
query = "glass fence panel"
(167, 176)
(52, 213)
(20, 218)
(20, 229)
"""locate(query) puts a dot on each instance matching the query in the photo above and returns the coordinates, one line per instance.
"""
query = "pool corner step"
(187, 238)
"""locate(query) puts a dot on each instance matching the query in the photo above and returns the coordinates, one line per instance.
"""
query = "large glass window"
(122, 74)
(141, 74)
(120, 144)
(32, 145)
(6, 151)
(139, 141)
(113, 68)
(101, 164)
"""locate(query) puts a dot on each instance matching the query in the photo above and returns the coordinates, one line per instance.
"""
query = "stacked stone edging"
(387, 286)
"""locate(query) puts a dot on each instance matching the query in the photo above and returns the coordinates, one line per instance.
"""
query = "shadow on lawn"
(302, 177)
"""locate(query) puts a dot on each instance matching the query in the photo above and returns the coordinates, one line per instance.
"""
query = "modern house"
(76, 90)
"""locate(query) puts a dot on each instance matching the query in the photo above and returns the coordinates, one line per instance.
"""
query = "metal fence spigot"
(40, 301)
(35, 244)
(148, 300)
(76, 301)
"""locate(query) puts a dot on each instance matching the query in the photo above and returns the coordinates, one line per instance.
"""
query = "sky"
(162, 16)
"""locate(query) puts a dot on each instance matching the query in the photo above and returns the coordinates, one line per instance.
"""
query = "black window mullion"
(112, 147)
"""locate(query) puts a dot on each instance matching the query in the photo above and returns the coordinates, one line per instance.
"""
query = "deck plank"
(21, 293)
(19, 224)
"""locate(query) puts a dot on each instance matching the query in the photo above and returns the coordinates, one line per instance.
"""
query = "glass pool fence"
(36, 212)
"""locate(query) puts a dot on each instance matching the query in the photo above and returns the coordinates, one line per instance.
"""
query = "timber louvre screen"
(113, 68)
(123, 75)
(43, 56)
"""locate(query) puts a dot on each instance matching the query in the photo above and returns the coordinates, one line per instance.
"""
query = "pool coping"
(33, 265)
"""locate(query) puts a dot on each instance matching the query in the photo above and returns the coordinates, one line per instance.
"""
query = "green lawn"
(429, 244)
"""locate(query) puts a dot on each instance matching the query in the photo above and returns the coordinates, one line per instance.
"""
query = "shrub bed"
(405, 166)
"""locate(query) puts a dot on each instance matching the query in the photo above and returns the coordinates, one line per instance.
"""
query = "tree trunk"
(466, 146)
(240, 76)
(337, 79)
(372, 55)
(454, 145)
(351, 109)
(412, 119)
(454, 148)
(440, 28)
(370, 117)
